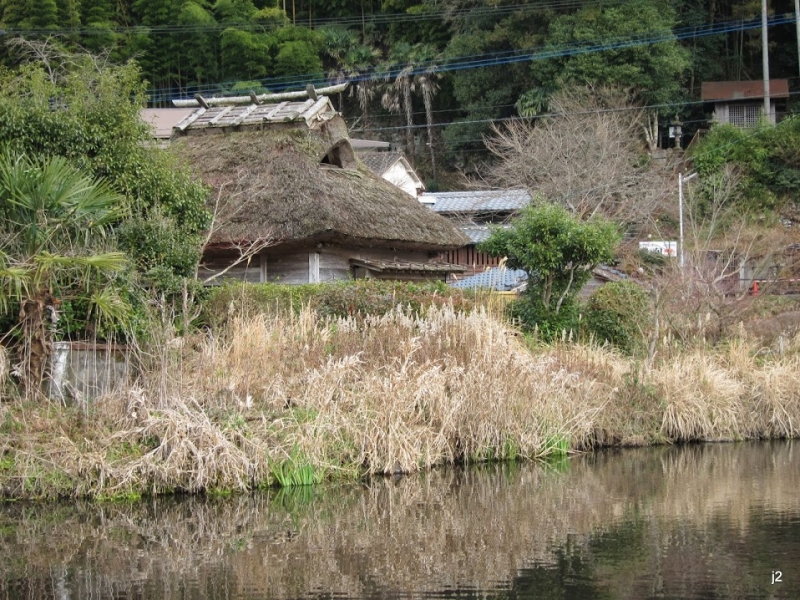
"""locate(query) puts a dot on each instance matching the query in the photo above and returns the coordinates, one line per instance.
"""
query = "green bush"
(619, 313)
(336, 299)
(532, 316)
(766, 158)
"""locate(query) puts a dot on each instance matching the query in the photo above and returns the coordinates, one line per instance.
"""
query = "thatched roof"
(281, 181)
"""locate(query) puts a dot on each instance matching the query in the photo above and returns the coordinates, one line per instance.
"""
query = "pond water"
(706, 521)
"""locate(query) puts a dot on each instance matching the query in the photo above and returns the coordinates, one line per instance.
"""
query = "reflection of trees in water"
(628, 524)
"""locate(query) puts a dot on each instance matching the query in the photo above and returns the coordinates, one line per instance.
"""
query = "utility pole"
(765, 60)
(797, 25)
(681, 181)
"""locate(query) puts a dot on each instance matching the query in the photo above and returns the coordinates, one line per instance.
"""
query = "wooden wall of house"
(212, 265)
(309, 265)
(289, 268)
(469, 257)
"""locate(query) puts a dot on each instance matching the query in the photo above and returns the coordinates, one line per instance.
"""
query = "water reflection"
(710, 521)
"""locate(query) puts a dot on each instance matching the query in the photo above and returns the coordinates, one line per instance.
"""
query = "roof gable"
(381, 163)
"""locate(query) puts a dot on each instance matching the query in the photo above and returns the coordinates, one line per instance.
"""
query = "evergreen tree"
(656, 71)
(96, 11)
(30, 14)
(69, 16)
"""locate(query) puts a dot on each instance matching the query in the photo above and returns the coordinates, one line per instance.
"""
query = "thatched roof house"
(285, 178)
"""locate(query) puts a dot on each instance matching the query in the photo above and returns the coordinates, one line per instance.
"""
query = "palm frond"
(109, 262)
(109, 307)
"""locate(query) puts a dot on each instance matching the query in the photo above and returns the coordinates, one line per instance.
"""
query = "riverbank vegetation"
(295, 398)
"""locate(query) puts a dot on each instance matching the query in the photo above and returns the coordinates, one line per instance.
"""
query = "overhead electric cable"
(511, 56)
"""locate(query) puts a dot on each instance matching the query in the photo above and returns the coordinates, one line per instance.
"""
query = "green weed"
(556, 445)
(295, 470)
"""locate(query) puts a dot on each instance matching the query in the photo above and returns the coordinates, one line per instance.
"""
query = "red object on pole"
(755, 288)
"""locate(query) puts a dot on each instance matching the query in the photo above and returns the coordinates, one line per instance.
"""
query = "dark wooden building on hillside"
(290, 192)
(741, 103)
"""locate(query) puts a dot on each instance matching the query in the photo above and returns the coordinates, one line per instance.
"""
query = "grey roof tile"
(478, 201)
(379, 162)
(480, 233)
(497, 278)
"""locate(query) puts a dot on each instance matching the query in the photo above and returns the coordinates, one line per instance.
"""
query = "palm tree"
(397, 96)
(358, 64)
(53, 222)
(426, 78)
(337, 41)
(415, 69)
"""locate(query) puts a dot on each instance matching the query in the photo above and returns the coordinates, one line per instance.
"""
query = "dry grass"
(3, 366)
(387, 394)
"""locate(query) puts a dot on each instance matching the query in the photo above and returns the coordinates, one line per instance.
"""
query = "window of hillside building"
(744, 115)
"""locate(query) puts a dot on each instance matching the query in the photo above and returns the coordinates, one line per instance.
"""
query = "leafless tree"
(51, 55)
(589, 153)
(226, 206)
(703, 299)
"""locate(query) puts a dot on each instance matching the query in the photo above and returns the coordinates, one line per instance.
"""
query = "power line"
(513, 56)
(543, 116)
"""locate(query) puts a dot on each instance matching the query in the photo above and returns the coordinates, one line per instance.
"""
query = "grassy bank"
(296, 399)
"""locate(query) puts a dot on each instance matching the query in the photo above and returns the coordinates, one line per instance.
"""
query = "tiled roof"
(479, 233)
(743, 90)
(235, 115)
(395, 266)
(478, 201)
(379, 162)
(497, 278)
(164, 119)
(608, 273)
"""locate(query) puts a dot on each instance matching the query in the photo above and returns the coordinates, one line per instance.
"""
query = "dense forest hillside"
(431, 73)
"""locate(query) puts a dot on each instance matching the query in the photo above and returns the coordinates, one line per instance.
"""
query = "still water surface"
(707, 521)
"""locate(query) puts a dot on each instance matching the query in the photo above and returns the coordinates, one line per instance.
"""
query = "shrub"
(618, 313)
(767, 158)
(530, 314)
(335, 299)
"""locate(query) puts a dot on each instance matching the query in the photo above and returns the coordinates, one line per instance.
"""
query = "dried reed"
(296, 397)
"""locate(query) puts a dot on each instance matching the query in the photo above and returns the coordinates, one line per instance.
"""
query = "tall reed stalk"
(277, 400)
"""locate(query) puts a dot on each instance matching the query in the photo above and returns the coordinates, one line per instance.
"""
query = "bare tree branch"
(589, 155)
(226, 207)
(246, 253)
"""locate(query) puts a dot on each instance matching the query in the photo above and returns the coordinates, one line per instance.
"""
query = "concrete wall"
(83, 371)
